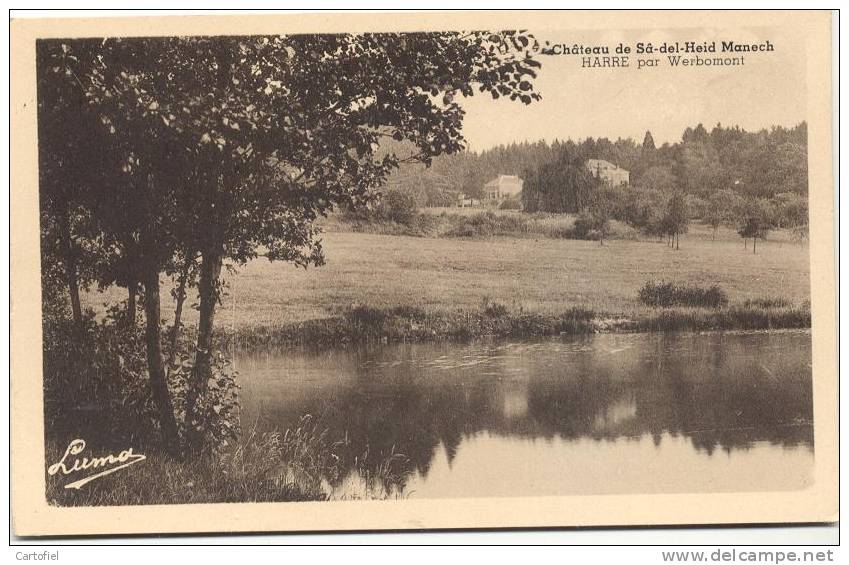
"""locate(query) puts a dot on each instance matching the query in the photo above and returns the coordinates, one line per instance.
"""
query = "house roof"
(494, 183)
(596, 164)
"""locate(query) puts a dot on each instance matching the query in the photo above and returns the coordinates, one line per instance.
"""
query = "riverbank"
(299, 464)
(365, 324)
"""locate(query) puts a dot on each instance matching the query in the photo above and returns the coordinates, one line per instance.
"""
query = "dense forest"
(758, 164)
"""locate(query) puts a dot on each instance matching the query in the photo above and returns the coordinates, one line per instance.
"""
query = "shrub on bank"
(96, 376)
(666, 294)
(768, 302)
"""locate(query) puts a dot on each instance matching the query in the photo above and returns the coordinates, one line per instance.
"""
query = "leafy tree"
(67, 167)
(239, 143)
(643, 209)
(723, 208)
(696, 207)
(561, 186)
(648, 143)
(658, 177)
(756, 221)
(791, 210)
(676, 219)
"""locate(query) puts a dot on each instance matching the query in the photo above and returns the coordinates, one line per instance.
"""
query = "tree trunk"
(74, 291)
(754, 245)
(210, 270)
(677, 241)
(156, 369)
(132, 293)
(70, 267)
(178, 311)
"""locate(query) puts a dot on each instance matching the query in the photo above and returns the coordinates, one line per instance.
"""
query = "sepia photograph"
(504, 259)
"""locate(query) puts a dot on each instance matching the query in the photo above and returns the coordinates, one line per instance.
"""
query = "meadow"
(525, 274)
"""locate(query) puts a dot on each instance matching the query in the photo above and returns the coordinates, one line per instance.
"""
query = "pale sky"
(769, 89)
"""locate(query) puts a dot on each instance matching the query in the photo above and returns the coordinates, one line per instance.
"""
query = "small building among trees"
(608, 172)
(504, 186)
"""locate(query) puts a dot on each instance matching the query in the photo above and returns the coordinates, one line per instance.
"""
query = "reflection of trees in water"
(717, 391)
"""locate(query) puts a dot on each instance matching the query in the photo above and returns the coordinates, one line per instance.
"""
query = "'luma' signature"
(111, 462)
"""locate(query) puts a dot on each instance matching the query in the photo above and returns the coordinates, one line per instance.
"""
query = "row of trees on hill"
(659, 214)
(757, 164)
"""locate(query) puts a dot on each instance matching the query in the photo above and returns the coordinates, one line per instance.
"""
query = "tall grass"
(302, 463)
(252, 471)
(738, 317)
(767, 302)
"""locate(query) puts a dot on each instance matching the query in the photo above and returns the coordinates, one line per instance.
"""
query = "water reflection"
(607, 413)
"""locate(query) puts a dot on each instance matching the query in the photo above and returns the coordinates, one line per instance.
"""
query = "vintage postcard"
(388, 271)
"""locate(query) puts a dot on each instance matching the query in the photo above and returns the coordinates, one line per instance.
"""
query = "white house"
(504, 186)
(608, 172)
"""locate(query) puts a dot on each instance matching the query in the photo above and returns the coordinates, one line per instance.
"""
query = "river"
(598, 414)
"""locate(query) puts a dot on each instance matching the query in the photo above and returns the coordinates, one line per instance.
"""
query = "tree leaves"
(241, 143)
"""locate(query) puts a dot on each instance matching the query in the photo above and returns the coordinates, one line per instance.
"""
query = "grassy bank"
(301, 464)
(405, 324)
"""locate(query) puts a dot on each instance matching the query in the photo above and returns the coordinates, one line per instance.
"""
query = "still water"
(601, 414)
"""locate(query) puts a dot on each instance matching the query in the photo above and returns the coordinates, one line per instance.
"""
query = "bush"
(218, 418)
(488, 223)
(397, 206)
(591, 226)
(97, 377)
(666, 294)
(368, 316)
(424, 225)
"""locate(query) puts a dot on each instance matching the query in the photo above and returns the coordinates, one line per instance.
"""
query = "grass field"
(525, 274)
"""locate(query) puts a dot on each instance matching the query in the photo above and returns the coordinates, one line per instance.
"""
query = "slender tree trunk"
(210, 270)
(754, 245)
(677, 241)
(132, 293)
(156, 369)
(178, 311)
(70, 267)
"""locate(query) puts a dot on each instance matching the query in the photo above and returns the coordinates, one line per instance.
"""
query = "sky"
(769, 89)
